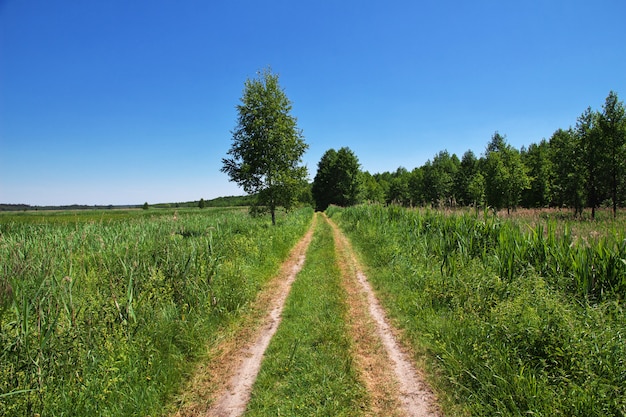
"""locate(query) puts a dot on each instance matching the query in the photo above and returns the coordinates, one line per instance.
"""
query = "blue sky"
(122, 102)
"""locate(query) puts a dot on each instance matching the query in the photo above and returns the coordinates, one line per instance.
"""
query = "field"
(104, 312)
(514, 316)
(110, 312)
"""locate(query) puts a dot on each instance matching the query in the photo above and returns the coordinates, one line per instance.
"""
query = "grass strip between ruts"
(308, 368)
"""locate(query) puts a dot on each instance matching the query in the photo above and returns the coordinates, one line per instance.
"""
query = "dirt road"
(395, 387)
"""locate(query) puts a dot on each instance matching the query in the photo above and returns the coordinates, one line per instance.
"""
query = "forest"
(578, 167)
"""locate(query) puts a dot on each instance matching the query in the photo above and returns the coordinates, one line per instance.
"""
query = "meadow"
(512, 316)
(105, 312)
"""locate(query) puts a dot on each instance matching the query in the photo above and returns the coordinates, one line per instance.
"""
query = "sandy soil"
(222, 387)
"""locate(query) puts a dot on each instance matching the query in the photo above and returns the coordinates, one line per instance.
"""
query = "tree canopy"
(580, 167)
(506, 175)
(267, 145)
(338, 179)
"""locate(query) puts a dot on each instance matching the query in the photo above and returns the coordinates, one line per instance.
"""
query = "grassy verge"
(104, 314)
(516, 319)
(308, 368)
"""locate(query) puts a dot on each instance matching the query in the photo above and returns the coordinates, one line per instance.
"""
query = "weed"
(103, 313)
(518, 317)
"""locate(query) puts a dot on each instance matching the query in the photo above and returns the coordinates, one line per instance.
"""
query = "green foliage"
(467, 170)
(568, 185)
(397, 185)
(612, 126)
(537, 160)
(103, 313)
(505, 174)
(575, 168)
(438, 179)
(308, 368)
(338, 180)
(517, 317)
(476, 190)
(231, 201)
(592, 153)
(267, 145)
(373, 191)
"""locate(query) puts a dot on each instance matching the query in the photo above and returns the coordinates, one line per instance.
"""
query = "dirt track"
(396, 388)
(405, 385)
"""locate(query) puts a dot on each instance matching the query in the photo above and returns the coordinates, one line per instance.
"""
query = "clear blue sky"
(122, 102)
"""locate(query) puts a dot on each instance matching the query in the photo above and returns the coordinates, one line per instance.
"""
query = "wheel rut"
(222, 387)
(232, 400)
(396, 387)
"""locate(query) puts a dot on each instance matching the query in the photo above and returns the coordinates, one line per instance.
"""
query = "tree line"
(580, 167)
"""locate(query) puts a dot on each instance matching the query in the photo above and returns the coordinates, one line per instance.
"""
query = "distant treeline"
(230, 201)
(24, 207)
(577, 168)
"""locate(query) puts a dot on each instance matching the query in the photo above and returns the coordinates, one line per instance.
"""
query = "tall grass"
(103, 314)
(516, 317)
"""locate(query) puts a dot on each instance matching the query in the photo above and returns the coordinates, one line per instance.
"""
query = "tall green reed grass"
(516, 317)
(103, 315)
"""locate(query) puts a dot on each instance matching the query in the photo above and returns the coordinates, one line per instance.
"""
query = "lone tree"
(267, 147)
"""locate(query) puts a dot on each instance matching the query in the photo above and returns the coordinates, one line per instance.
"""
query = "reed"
(107, 312)
(515, 316)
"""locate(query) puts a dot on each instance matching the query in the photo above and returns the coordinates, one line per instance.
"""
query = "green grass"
(308, 368)
(104, 313)
(102, 215)
(516, 317)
